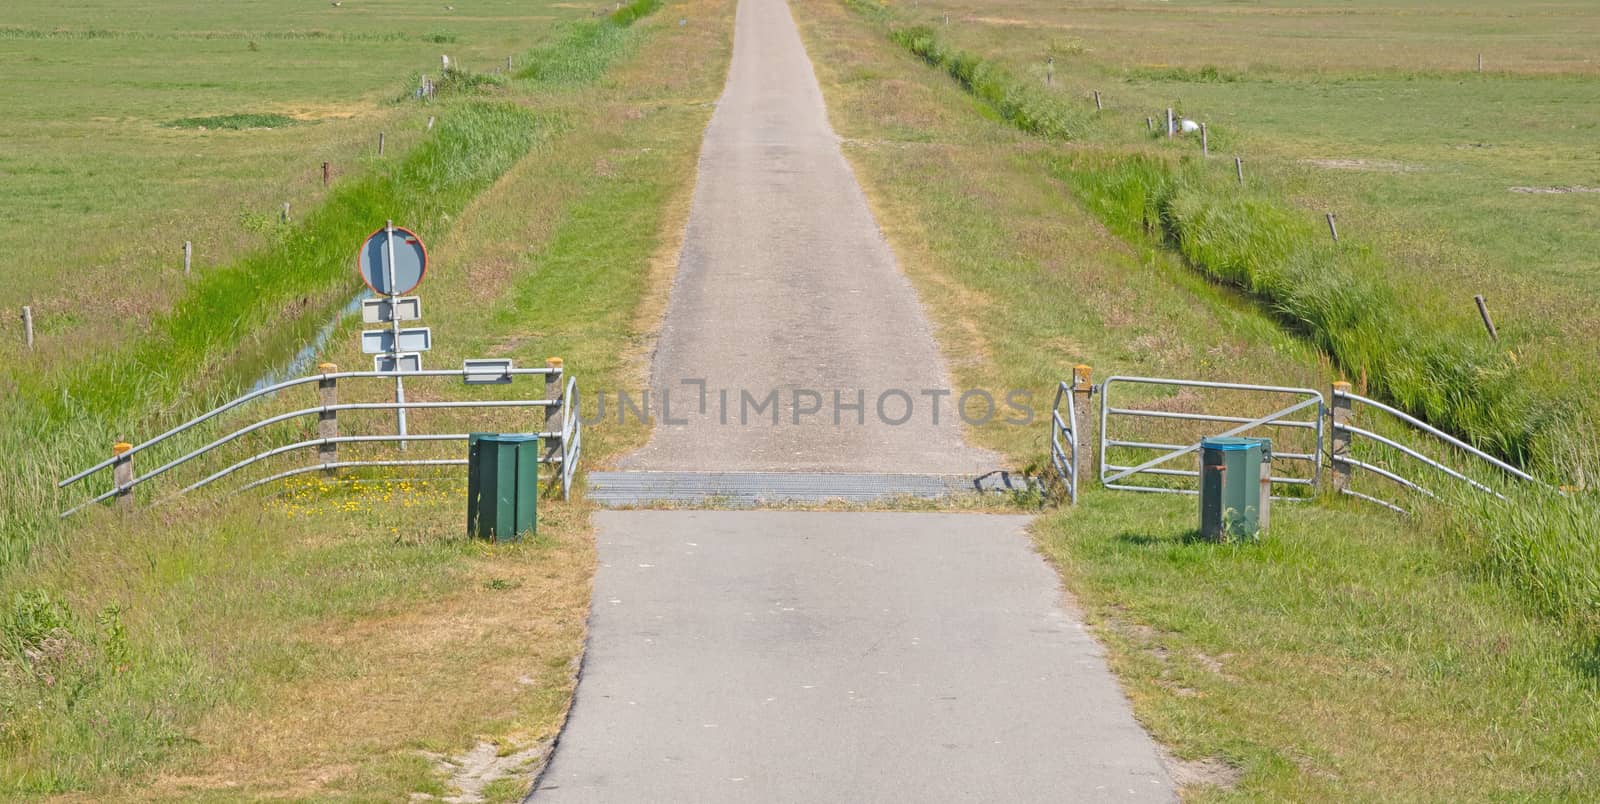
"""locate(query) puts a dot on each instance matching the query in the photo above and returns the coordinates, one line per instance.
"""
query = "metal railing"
(569, 434)
(1064, 457)
(1346, 433)
(1111, 474)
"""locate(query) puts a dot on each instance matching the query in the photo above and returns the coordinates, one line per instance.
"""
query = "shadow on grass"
(1177, 539)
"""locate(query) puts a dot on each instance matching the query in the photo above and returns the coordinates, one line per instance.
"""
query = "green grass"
(234, 122)
(1352, 654)
(585, 48)
(1253, 240)
(311, 644)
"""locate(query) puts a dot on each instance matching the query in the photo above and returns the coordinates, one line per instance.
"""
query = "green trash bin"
(502, 485)
(1230, 487)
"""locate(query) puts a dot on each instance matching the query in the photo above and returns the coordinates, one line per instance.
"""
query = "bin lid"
(1229, 444)
(505, 438)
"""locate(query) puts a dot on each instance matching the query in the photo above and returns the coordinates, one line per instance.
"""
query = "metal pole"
(394, 321)
(27, 325)
(1483, 310)
(1340, 448)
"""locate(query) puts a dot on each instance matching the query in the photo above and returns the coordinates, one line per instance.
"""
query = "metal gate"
(1296, 410)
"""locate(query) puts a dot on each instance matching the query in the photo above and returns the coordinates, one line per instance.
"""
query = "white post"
(1205, 142)
(1238, 166)
(1170, 129)
(27, 325)
(1097, 106)
(188, 256)
(394, 321)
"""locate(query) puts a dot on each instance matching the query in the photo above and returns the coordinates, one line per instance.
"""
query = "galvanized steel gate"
(1308, 431)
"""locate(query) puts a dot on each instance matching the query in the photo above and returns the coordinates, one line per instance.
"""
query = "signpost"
(392, 262)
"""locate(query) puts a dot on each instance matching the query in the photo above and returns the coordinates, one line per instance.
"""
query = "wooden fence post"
(1483, 311)
(1333, 227)
(1238, 167)
(1340, 444)
(555, 418)
(327, 173)
(327, 420)
(380, 143)
(1082, 394)
(1264, 509)
(122, 474)
(1097, 106)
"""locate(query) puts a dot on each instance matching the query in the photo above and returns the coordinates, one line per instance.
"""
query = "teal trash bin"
(502, 485)
(1230, 487)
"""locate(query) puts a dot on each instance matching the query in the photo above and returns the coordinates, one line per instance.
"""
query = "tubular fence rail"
(563, 432)
(1331, 428)
(1343, 414)
(1064, 457)
(1111, 474)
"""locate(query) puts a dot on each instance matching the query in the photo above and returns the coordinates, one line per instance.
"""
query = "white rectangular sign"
(488, 371)
(403, 362)
(377, 311)
(381, 341)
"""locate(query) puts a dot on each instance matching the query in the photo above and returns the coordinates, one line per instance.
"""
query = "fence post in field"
(1238, 167)
(1082, 393)
(1049, 70)
(1170, 129)
(188, 256)
(555, 418)
(1264, 510)
(1333, 228)
(27, 325)
(286, 212)
(327, 173)
(1340, 445)
(1149, 124)
(1483, 310)
(1097, 106)
(1480, 62)
(122, 474)
(380, 143)
(508, 64)
(430, 122)
(327, 420)
(1205, 142)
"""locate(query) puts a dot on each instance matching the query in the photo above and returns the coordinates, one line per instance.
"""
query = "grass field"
(104, 188)
(343, 639)
(1446, 182)
(1353, 655)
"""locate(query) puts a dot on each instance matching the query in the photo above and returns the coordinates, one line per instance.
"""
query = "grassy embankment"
(1251, 239)
(336, 641)
(1353, 654)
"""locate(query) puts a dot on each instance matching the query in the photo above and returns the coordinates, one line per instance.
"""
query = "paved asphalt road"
(809, 656)
(786, 285)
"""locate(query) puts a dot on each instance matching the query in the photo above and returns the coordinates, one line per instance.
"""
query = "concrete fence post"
(327, 420)
(188, 256)
(555, 418)
(1340, 444)
(27, 325)
(122, 474)
(1083, 425)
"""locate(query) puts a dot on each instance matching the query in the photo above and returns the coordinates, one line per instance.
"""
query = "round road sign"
(410, 261)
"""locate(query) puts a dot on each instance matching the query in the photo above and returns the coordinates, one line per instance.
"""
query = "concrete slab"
(810, 656)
